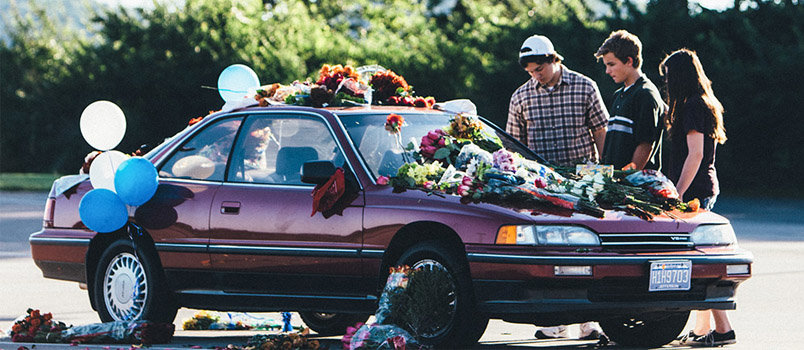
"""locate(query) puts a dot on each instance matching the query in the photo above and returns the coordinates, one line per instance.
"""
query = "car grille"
(642, 241)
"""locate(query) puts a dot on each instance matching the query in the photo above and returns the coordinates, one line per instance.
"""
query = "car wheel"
(464, 326)
(652, 330)
(131, 286)
(326, 324)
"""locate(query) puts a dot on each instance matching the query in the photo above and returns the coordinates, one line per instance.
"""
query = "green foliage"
(154, 62)
(26, 181)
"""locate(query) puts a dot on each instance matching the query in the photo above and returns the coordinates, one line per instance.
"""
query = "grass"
(26, 181)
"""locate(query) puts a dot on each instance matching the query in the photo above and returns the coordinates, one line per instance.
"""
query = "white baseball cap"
(537, 45)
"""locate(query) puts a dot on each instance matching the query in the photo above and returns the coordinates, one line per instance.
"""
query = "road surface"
(768, 315)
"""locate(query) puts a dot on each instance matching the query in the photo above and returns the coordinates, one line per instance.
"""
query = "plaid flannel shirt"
(558, 124)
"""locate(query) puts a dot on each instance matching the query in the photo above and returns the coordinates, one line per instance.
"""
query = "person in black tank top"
(695, 125)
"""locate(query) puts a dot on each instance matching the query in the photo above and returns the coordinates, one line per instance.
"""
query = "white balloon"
(103, 125)
(195, 167)
(236, 82)
(101, 172)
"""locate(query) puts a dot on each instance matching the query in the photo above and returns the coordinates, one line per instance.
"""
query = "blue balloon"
(135, 181)
(235, 82)
(102, 211)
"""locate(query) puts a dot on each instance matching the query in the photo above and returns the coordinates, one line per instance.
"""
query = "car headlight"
(555, 235)
(722, 234)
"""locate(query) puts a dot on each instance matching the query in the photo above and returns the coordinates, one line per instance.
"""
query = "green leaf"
(441, 153)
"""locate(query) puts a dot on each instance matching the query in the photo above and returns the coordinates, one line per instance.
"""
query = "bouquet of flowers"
(462, 159)
(37, 327)
(294, 340)
(131, 332)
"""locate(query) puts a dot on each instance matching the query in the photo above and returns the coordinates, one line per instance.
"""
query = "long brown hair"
(686, 79)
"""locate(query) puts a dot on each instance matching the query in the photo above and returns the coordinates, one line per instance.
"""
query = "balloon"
(195, 167)
(102, 211)
(236, 81)
(101, 172)
(103, 125)
(135, 181)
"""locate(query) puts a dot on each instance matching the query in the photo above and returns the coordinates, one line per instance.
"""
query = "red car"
(229, 228)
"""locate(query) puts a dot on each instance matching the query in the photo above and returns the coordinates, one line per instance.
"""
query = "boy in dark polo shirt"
(634, 129)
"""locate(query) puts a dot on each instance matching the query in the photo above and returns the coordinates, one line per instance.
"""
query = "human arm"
(695, 148)
(599, 136)
(641, 155)
(597, 117)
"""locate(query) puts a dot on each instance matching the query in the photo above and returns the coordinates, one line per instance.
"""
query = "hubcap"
(438, 327)
(125, 287)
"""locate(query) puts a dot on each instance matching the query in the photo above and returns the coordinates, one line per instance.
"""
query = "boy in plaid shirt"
(558, 113)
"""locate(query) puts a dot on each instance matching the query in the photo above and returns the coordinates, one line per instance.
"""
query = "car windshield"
(380, 150)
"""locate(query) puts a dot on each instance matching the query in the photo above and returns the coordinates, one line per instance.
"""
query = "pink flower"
(398, 342)
(429, 185)
(433, 135)
(382, 180)
(442, 142)
(466, 181)
(463, 190)
(428, 151)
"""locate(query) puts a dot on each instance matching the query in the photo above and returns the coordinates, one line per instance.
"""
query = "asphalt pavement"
(768, 315)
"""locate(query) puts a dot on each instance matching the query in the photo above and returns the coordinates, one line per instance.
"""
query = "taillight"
(50, 205)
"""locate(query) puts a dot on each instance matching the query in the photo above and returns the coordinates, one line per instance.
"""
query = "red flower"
(195, 120)
(394, 123)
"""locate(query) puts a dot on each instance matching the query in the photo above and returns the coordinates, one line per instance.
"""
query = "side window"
(204, 156)
(272, 148)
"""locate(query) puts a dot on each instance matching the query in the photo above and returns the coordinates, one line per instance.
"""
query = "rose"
(394, 123)
(382, 180)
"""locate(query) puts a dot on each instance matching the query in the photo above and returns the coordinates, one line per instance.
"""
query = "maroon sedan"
(229, 228)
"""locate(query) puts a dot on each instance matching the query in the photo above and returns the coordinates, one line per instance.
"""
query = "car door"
(263, 237)
(177, 217)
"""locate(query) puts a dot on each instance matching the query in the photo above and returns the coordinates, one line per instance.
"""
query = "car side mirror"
(317, 171)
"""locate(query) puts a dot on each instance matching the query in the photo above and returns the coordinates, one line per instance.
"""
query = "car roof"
(349, 110)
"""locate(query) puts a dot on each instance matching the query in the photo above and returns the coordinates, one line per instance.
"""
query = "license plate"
(670, 275)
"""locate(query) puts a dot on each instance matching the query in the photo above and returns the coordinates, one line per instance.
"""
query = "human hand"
(629, 166)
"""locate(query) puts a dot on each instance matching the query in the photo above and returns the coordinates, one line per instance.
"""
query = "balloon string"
(219, 89)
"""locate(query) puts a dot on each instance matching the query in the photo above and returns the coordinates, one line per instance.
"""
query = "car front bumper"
(521, 288)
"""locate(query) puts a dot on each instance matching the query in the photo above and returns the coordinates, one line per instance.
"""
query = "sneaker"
(688, 337)
(551, 332)
(715, 339)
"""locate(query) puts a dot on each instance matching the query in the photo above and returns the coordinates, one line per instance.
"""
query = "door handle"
(230, 208)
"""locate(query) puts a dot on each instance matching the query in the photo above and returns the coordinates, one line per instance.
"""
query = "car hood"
(614, 221)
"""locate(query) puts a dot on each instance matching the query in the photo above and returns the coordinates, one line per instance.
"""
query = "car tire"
(652, 330)
(326, 324)
(465, 325)
(130, 285)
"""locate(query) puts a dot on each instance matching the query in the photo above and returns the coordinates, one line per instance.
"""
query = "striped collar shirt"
(558, 124)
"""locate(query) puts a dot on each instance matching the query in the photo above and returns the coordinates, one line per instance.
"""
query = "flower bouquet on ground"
(37, 327)
(121, 332)
(282, 341)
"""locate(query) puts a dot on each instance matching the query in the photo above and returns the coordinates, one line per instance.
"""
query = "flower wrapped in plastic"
(655, 182)
(470, 152)
(131, 332)
(396, 283)
(380, 337)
